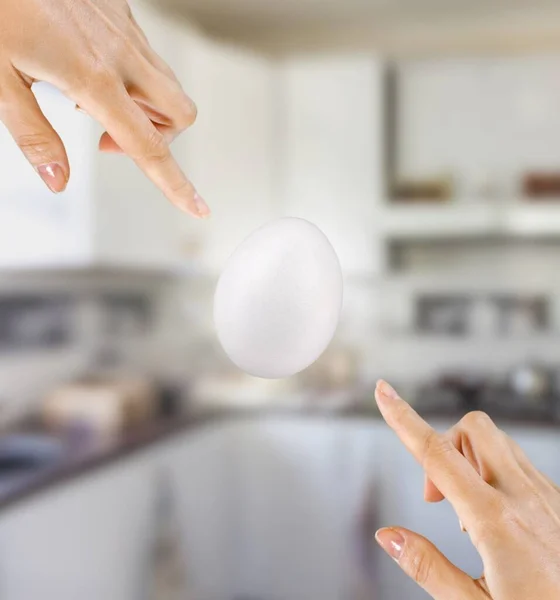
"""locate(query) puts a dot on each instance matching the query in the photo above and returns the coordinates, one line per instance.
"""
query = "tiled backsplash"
(36, 322)
(32, 322)
(56, 327)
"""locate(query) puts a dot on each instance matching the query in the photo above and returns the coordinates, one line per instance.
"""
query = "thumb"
(427, 566)
(39, 142)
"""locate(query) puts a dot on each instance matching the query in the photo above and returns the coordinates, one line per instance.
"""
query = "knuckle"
(435, 447)
(34, 145)
(476, 420)
(156, 149)
(182, 188)
(421, 568)
(189, 114)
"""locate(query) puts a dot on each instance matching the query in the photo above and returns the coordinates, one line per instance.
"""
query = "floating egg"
(278, 301)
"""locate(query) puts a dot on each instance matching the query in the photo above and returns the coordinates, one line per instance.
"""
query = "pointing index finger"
(133, 131)
(444, 465)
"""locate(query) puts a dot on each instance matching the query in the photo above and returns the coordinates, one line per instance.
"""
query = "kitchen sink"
(24, 454)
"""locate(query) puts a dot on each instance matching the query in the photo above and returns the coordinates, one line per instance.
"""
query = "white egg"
(278, 301)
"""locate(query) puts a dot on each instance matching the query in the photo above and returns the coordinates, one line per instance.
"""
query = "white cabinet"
(203, 467)
(231, 148)
(93, 538)
(333, 156)
(281, 508)
(38, 228)
(290, 521)
(301, 487)
(479, 119)
(87, 540)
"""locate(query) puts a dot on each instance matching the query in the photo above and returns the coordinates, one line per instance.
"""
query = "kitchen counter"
(76, 464)
(86, 460)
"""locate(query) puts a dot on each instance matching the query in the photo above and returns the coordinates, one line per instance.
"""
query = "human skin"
(96, 54)
(510, 510)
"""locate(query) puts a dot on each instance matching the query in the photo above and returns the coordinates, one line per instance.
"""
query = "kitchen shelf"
(439, 221)
(471, 220)
(407, 335)
(506, 282)
(533, 220)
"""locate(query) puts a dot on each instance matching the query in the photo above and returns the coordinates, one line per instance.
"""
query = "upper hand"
(97, 55)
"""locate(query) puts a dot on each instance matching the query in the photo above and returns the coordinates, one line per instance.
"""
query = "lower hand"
(510, 510)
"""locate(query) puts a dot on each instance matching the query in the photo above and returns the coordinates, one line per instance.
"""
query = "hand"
(97, 55)
(510, 510)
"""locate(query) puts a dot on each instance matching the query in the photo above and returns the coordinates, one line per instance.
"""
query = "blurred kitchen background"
(423, 137)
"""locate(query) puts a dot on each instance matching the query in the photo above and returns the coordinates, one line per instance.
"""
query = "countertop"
(80, 463)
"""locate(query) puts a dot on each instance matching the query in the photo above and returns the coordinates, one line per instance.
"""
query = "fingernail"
(462, 527)
(201, 206)
(53, 175)
(387, 390)
(391, 541)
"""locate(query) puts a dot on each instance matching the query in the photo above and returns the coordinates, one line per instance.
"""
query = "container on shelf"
(542, 186)
(424, 190)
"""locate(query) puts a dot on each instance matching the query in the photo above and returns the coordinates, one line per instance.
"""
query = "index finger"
(136, 135)
(449, 470)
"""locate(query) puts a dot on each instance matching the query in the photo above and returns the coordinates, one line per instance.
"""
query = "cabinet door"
(332, 151)
(37, 227)
(202, 465)
(87, 540)
(360, 508)
(293, 528)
